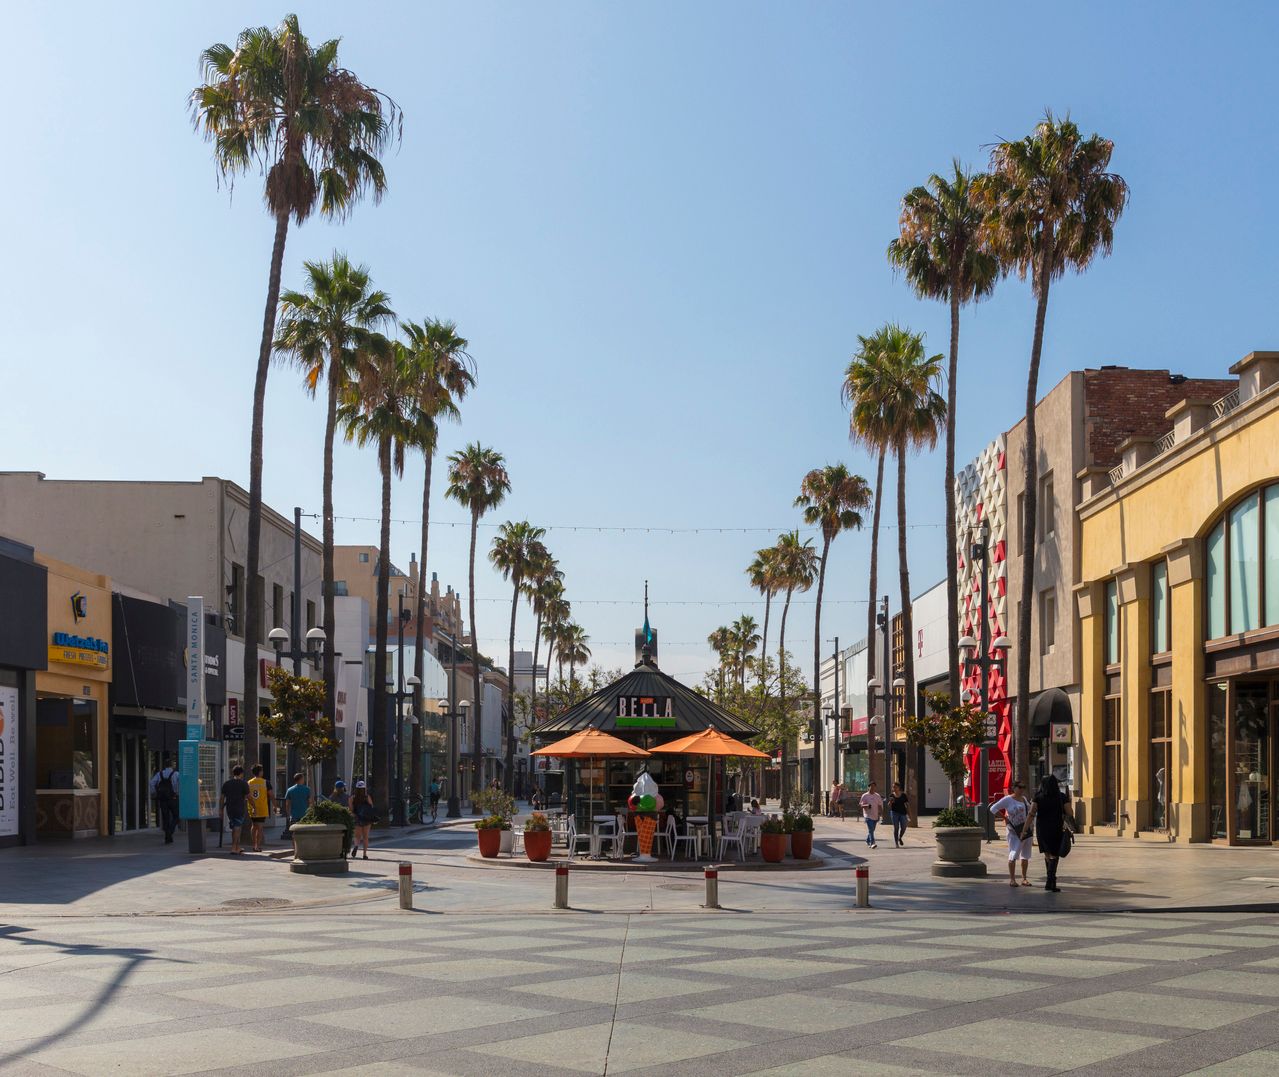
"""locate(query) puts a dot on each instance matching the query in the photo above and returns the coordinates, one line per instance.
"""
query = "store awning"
(1050, 707)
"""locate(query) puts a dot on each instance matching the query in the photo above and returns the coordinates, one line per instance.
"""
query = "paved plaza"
(159, 963)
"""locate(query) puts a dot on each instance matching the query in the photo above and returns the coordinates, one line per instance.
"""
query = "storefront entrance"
(132, 765)
(1242, 718)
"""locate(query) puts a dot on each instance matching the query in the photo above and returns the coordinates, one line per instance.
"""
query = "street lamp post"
(314, 653)
(404, 691)
(452, 713)
(984, 657)
(873, 693)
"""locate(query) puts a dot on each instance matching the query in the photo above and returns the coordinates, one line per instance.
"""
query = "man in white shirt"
(1016, 809)
(872, 808)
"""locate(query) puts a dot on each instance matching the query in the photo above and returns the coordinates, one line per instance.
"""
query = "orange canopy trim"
(591, 743)
(711, 742)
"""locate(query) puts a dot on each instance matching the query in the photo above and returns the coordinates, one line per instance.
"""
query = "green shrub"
(772, 825)
(327, 811)
(802, 822)
(492, 822)
(954, 817)
(537, 822)
(495, 802)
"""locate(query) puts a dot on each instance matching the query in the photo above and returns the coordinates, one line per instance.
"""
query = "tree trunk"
(952, 539)
(537, 646)
(251, 614)
(912, 783)
(763, 642)
(817, 668)
(329, 767)
(477, 749)
(872, 636)
(419, 639)
(781, 692)
(1030, 479)
(384, 755)
(508, 759)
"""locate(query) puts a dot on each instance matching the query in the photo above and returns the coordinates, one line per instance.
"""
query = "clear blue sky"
(661, 226)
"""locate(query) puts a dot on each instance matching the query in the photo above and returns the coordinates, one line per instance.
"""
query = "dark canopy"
(689, 711)
(1049, 707)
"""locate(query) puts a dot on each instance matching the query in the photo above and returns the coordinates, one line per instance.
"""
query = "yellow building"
(1179, 615)
(71, 705)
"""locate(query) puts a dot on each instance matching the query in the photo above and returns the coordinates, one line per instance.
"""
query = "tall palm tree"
(545, 582)
(328, 331)
(745, 641)
(478, 482)
(376, 410)
(574, 651)
(275, 103)
(834, 499)
(900, 383)
(721, 642)
(762, 572)
(796, 571)
(941, 250)
(445, 374)
(1052, 205)
(555, 618)
(516, 547)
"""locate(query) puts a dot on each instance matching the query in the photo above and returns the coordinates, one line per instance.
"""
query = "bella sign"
(645, 712)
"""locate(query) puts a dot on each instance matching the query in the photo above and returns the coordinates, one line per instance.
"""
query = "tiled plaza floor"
(809, 994)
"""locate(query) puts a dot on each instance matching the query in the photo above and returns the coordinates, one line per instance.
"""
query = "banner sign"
(8, 761)
(195, 668)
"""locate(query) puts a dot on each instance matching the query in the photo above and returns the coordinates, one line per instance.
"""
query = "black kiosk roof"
(646, 700)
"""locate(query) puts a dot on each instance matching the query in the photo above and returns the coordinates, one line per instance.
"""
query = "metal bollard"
(406, 885)
(712, 887)
(561, 886)
(863, 886)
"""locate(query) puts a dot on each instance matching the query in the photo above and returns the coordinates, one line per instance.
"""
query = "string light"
(611, 528)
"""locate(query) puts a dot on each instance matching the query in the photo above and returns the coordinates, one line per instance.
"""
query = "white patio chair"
(517, 837)
(619, 842)
(674, 837)
(573, 838)
(732, 835)
(750, 833)
(602, 831)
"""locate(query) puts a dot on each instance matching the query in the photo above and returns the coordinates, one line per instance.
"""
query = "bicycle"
(416, 809)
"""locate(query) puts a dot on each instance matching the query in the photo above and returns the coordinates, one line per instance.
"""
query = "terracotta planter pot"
(772, 847)
(490, 842)
(537, 844)
(801, 844)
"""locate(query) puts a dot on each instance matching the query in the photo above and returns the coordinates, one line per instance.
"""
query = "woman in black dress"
(1048, 817)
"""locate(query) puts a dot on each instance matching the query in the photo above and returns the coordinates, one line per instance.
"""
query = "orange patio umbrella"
(710, 742)
(592, 743)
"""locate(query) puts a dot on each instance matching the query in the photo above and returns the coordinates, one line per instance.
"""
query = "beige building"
(355, 574)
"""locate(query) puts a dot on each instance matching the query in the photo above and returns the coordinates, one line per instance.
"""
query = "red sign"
(857, 727)
(233, 710)
(263, 665)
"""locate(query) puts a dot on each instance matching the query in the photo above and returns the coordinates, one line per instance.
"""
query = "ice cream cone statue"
(645, 801)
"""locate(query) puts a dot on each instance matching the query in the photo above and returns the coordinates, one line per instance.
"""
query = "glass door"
(1252, 762)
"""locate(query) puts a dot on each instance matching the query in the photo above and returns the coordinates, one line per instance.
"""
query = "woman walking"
(836, 806)
(1016, 809)
(1048, 816)
(899, 812)
(365, 817)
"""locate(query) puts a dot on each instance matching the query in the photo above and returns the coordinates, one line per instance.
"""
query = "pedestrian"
(1016, 809)
(755, 810)
(836, 798)
(298, 798)
(164, 788)
(1048, 817)
(899, 813)
(872, 807)
(365, 817)
(235, 799)
(261, 804)
(339, 794)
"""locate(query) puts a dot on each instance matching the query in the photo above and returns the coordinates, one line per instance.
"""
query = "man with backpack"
(164, 788)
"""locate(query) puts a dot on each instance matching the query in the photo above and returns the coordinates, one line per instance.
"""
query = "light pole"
(314, 653)
(453, 714)
(399, 694)
(839, 733)
(873, 693)
(983, 657)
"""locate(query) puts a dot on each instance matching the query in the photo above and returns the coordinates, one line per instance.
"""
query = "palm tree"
(327, 330)
(721, 641)
(376, 410)
(763, 576)
(574, 651)
(796, 570)
(516, 547)
(1051, 206)
(745, 640)
(545, 582)
(445, 374)
(555, 618)
(940, 248)
(478, 482)
(834, 499)
(899, 383)
(315, 131)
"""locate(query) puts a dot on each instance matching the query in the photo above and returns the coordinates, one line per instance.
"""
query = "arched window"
(1241, 563)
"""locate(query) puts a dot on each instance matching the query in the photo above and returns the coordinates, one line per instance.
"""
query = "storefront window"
(1270, 503)
(1112, 622)
(1245, 568)
(66, 744)
(1160, 757)
(1216, 571)
(1217, 760)
(1252, 751)
(1110, 762)
(1159, 607)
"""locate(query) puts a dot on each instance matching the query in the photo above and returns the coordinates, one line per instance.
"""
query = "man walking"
(261, 805)
(164, 788)
(235, 799)
(298, 797)
(872, 808)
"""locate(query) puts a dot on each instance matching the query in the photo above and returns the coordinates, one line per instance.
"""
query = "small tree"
(297, 716)
(947, 733)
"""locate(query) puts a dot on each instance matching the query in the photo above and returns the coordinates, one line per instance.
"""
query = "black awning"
(1050, 707)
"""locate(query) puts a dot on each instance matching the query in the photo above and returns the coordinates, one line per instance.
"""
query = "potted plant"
(958, 844)
(801, 836)
(490, 830)
(321, 839)
(772, 840)
(501, 805)
(537, 837)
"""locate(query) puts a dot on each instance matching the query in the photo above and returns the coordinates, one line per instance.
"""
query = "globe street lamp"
(454, 805)
(873, 693)
(314, 653)
(400, 695)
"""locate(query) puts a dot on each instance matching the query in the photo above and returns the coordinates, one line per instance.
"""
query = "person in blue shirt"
(298, 798)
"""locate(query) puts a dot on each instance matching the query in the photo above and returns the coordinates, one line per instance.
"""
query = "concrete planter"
(959, 852)
(317, 849)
